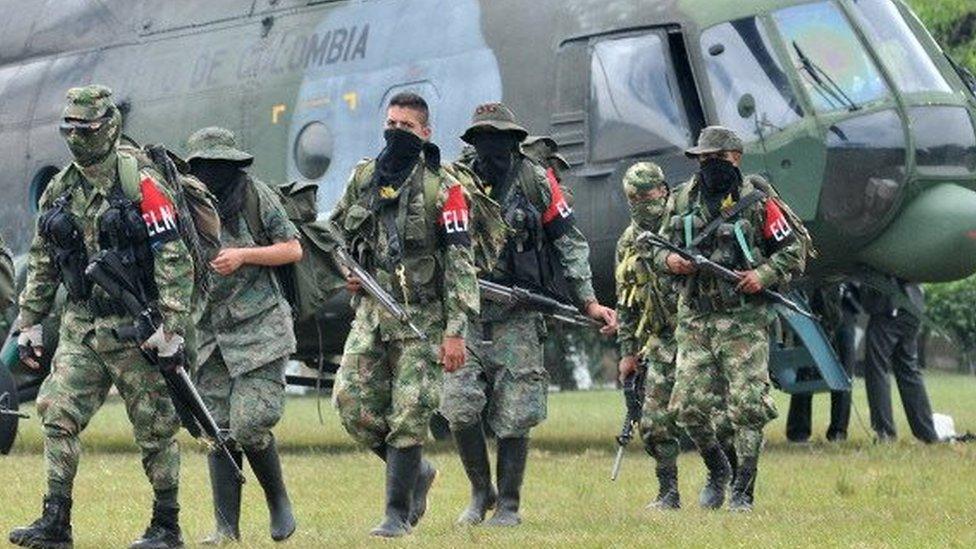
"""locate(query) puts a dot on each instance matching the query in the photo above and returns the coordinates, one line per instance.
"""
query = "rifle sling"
(726, 215)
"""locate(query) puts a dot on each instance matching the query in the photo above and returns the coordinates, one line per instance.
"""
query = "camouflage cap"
(543, 148)
(643, 176)
(715, 139)
(88, 102)
(215, 143)
(494, 117)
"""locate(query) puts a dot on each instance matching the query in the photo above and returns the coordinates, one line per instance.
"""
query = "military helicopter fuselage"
(847, 106)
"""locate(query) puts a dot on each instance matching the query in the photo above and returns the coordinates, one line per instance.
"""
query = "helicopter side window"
(836, 70)
(740, 62)
(635, 101)
(911, 66)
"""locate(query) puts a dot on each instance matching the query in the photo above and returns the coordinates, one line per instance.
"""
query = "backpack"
(197, 218)
(308, 284)
(802, 234)
(488, 229)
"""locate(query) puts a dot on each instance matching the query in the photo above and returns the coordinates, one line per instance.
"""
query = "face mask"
(401, 152)
(647, 214)
(90, 142)
(494, 151)
(719, 176)
(217, 175)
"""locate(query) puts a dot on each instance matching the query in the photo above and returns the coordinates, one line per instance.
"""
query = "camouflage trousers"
(79, 381)
(508, 377)
(249, 405)
(386, 391)
(658, 426)
(726, 353)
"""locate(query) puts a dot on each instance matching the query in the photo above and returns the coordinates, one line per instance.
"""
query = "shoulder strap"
(252, 214)
(129, 176)
(746, 201)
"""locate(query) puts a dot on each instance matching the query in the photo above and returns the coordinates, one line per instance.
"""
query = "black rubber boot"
(163, 531)
(226, 490)
(425, 480)
(267, 469)
(744, 486)
(712, 496)
(733, 458)
(667, 492)
(402, 469)
(512, 453)
(474, 456)
(51, 531)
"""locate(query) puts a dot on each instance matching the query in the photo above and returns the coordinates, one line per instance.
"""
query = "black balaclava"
(398, 158)
(225, 179)
(720, 178)
(496, 153)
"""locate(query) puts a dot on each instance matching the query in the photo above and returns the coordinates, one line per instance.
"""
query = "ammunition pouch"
(122, 228)
(66, 244)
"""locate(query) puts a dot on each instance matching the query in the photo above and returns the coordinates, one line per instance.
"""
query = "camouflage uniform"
(646, 308)
(89, 358)
(722, 333)
(388, 383)
(244, 335)
(507, 374)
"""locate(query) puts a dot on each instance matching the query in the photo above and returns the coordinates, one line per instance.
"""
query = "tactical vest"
(732, 243)
(120, 227)
(414, 273)
(528, 258)
(641, 288)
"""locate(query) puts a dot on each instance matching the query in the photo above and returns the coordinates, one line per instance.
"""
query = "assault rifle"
(546, 305)
(373, 288)
(634, 401)
(107, 272)
(722, 272)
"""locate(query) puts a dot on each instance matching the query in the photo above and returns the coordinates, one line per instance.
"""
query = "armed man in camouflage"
(406, 221)
(245, 332)
(508, 375)
(73, 226)
(646, 306)
(722, 327)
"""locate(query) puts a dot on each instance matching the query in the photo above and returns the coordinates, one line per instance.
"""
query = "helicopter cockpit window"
(835, 68)
(911, 66)
(635, 102)
(740, 63)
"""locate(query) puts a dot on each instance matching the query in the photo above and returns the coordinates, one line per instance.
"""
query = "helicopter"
(848, 107)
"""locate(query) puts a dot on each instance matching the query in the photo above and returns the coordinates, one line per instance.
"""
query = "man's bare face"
(411, 120)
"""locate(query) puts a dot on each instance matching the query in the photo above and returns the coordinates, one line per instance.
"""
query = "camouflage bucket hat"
(215, 143)
(493, 117)
(88, 102)
(643, 176)
(543, 148)
(715, 139)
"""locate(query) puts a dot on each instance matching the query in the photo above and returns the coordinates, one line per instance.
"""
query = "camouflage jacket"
(548, 196)
(646, 299)
(246, 315)
(172, 266)
(759, 238)
(434, 277)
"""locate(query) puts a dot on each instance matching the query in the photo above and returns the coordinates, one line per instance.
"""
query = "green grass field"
(854, 494)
